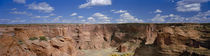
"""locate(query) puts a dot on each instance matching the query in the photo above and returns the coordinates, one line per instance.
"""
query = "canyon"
(132, 39)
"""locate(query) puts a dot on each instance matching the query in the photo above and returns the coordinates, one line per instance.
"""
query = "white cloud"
(42, 6)
(83, 20)
(95, 3)
(112, 10)
(41, 17)
(202, 17)
(52, 14)
(126, 17)
(120, 11)
(159, 19)
(12, 21)
(73, 14)
(80, 17)
(91, 19)
(18, 20)
(20, 1)
(158, 11)
(189, 5)
(4, 21)
(44, 17)
(19, 12)
(57, 18)
(99, 18)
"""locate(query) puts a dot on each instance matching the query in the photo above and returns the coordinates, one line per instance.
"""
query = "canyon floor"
(130, 39)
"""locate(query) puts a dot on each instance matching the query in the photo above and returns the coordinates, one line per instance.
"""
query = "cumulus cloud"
(120, 11)
(91, 19)
(159, 19)
(126, 17)
(76, 15)
(20, 1)
(73, 14)
(42, 6)
(189, 5)
(158, 11)
(95, 3)
(203, 17)
(99, 18)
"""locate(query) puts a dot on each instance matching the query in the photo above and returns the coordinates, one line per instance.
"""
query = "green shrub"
(115, 54)
(43, 38)
(20, 42)
(33, 38)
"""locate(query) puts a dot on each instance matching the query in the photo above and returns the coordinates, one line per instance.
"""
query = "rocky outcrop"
(176, 41)
(71, 39)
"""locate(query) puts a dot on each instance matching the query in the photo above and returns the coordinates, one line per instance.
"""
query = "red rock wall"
(68, 39)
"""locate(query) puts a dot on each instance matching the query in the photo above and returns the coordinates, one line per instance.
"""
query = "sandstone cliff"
(76, 39)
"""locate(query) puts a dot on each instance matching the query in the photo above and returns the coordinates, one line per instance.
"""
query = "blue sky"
(104, 11)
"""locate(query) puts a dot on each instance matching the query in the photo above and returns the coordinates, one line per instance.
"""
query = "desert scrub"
(33, 38)
(115, 54)
(124, 54)
(20, 42)
(42, 38)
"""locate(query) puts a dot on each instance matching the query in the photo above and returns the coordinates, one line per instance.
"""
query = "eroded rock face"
(177, 41)
(70, 39)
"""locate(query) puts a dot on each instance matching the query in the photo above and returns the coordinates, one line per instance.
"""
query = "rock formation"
(71, 39)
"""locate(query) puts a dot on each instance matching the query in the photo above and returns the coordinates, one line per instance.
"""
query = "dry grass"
(106, 52)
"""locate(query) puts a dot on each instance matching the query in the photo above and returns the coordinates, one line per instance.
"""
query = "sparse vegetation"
(33, 38)
(20, 42)
(115, 54)
(123, 54)
(43, 38)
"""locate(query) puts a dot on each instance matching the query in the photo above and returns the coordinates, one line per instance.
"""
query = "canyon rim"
(132, 39)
